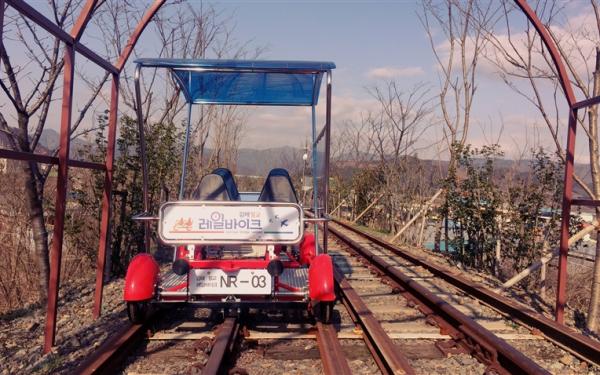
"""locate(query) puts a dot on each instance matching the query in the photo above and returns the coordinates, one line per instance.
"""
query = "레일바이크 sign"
(195, 222)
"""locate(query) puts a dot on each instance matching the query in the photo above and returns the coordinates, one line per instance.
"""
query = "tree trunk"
(38, 226)
(437, 237)
(593, 321)
(594, 309)
(446, 233)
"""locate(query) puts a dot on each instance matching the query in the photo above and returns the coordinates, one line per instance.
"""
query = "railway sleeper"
(449, 318)
(577, 344)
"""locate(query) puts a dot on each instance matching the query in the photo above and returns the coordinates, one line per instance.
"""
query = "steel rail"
(483, 344)
(222, 346)
(574, 342)
(386, 354)
(108, 357)
(332, 354)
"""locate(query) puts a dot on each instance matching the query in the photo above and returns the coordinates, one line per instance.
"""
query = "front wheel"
(324, 311)
(138, 312)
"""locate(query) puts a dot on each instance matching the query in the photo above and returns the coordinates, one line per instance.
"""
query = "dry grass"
(19, 272)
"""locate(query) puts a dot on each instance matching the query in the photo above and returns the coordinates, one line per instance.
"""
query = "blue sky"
(356, 35)
(360, 37)
(367, 40)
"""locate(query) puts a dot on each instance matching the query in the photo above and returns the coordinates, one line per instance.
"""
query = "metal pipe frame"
(143, 156)
(315, 172)
(109, 161)
(61, 198)
(318, 74)
(327, 156)
(1, 28)
(185, 152)
(72, 45)
(70, 40)
(62, 182)
(105, 228)
(46, 159)
(563, 77)
(237, 70)
(137, 32)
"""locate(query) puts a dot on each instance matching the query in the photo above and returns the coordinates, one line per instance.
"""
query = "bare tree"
(457, 55)
(401, 120)
(228, 124)
(463, 26)
(29, 85)
(187, 32)
(387, 139)
(521, 58)
(353, 142)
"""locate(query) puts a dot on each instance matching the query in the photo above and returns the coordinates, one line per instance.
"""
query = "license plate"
(219, 282)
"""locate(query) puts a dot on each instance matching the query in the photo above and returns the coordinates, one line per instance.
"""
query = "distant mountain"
(50, 139)
(253, 162)
(259, 162)
(48, 143)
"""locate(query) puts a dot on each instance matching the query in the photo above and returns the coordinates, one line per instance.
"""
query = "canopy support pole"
(143, 157)
(185, 151)
(327, 156)
(315, 172)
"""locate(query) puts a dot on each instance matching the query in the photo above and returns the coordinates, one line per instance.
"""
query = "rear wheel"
(138, 312)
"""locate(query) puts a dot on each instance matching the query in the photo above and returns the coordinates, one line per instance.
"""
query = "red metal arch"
(72, 45)
(561, 295)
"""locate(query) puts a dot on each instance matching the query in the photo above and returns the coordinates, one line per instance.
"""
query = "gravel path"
(78, 334)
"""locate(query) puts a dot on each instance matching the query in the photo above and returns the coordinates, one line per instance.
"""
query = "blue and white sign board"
(210, 222)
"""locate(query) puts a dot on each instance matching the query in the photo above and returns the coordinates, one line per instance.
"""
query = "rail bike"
(237, 250)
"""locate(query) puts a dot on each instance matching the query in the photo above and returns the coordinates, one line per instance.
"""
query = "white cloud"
(387, 72)
(576, 35)
(278, 126)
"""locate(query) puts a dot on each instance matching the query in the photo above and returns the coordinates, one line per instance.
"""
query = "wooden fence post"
(421, 211)
(367, 209)
(548, 257)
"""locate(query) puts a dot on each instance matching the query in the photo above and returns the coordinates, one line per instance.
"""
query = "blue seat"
(278, 187)
(230, 184)
(211, 188)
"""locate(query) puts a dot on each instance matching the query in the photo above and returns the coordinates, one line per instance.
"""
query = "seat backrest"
(229, 182)
(212, 187)
(278, 187)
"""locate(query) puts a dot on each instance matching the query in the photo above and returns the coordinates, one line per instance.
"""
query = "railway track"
(197, 341)
(471, 318)
(398, 315)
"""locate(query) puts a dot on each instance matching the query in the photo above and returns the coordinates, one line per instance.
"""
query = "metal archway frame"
(72, 44)
(567, 201)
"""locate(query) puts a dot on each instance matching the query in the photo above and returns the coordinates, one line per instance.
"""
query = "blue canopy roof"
(246, 82)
